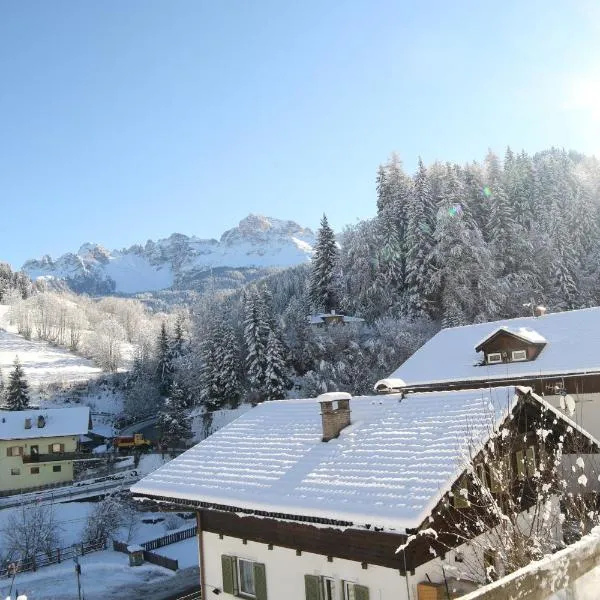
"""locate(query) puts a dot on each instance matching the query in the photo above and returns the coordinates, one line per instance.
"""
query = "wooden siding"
(368, 546)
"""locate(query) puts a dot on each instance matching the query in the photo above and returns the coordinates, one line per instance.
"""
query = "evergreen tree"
(173, 421)
(220, 373)
(420, 242)
(17, 390)
(178, 342)
(275, 371)
(164, 367)
(256, 334)
(324, 264)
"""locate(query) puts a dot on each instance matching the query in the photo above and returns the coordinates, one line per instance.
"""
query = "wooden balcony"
(54, 457)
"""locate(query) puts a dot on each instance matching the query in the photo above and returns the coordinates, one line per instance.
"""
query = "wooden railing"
(541, 579)
(171, 538)
(44, 559)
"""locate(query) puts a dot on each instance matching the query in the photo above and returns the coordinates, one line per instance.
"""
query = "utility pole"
(78, 574)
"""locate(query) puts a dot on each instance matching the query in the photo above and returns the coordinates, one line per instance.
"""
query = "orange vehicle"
(132, 442)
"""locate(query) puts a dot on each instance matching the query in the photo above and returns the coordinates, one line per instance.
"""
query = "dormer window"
(41, 422)
(519, 355)
(494, 358)
(27, 423)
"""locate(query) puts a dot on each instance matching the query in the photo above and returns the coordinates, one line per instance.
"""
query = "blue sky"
(123, 121)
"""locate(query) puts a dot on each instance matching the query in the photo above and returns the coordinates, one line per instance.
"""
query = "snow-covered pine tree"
(164, 367)
(229, 388)
(256, 334)
(173, 421)
(420, 242)
(275, 372)
(17, 390)
(324, 269)
(178, 341)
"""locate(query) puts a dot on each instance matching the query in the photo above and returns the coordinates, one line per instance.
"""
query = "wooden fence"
(151, 557)
(44, 559)
(171, 538)
(541, 579)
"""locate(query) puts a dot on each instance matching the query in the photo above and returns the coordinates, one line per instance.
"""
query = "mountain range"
(179, 262)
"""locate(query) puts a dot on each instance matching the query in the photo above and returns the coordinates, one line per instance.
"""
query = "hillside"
(43, 363)
(180, 262)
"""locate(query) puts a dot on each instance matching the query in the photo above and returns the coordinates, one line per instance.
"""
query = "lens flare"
(455, 209)
(487, 192)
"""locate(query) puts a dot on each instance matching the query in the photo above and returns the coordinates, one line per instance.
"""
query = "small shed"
(136, 555)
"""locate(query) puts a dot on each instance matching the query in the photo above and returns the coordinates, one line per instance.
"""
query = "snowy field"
(43, 363)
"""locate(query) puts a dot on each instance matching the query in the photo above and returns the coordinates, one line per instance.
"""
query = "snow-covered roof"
(572, 346)
(389, 468)
(321, 318)
(56, 422)
(524, 333)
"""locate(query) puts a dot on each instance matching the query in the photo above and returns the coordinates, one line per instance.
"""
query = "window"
(34, 450)
(35, 470)
(56, 468)
(15, 471)
(56, 448)
(14, 451)
(530, 462)
(460, 497)
(520, 460)
(27, 423)
(318, 587)
(519, 355)
(494, 357)
(353, 591)
(244, 578)
(328, 588)
(489, 562)
(482, 475)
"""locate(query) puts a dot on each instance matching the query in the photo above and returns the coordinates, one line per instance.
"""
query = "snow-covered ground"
(104, 575)
(186, 552)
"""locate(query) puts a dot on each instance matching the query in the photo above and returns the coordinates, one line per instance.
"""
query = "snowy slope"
(43, 363)
(257, 241)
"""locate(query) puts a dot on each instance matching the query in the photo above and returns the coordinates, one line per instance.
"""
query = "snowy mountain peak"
(257, 242)
(258, 229)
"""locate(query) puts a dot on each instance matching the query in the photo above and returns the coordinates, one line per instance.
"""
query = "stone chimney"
(334, 419)
(540, 311)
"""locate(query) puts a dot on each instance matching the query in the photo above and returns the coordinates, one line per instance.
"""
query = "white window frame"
(241, 592)
(324, 594)
(349, 591)
(494, 354)
(522, 355)
(56, 448)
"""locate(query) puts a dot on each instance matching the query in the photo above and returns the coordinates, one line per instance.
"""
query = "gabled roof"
(522, 333)
(389, 468)
(572, 346)
(57, 422)
(321, 318)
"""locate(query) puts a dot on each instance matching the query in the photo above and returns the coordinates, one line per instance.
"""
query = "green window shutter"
(228, 568)
(361, 592)
(531, 461)
(520, 459)
(260, 581)
(312, 587)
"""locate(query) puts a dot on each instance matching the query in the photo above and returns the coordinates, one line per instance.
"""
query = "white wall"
(285, 571)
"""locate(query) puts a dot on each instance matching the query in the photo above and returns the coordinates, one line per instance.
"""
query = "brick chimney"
(334, 419)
